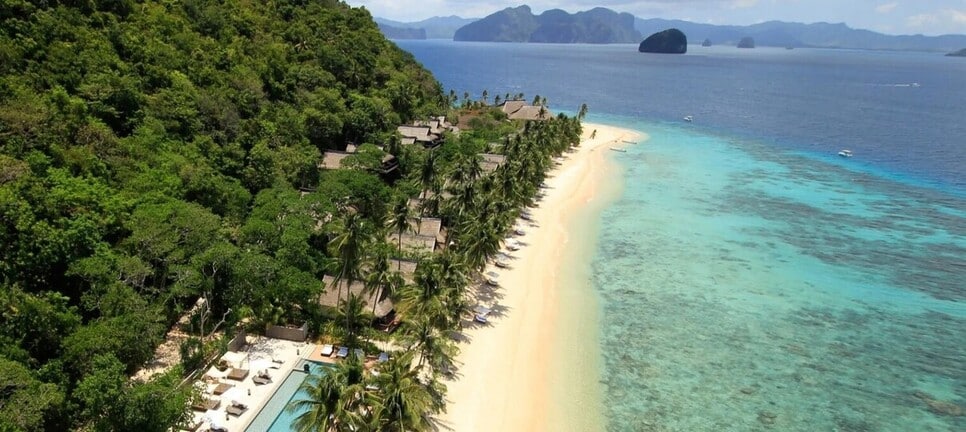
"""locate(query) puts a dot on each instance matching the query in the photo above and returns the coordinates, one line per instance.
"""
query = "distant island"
(769, 34)
(435, 27)
(746, 42)
(596, 26)
(960, 53)
(706, 43)
(670, 41)
(393, 32)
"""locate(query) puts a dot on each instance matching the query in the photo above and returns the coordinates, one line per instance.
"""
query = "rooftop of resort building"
(491, 162)
(414, 242)
(406, 267)
(331, 295)
(520, 110)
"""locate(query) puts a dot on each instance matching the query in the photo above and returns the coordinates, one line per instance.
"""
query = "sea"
(748, 277)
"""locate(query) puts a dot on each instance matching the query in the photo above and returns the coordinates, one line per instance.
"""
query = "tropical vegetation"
(160, 156)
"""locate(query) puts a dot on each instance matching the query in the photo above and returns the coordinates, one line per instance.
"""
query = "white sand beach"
(534, 366)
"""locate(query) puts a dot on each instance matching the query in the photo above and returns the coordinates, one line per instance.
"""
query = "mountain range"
(435, 27)
(520, 25)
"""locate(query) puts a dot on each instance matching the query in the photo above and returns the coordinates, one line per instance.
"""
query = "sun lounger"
(236, 409)
(221, 388)
(262, 379)
(217, 428)
(238, 374)
(191, 427)
(327, 350)
(480, 314)
(343, 352)
(383, 357)
(206, 404)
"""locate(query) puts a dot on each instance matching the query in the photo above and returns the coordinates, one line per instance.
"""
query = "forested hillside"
(152, 152)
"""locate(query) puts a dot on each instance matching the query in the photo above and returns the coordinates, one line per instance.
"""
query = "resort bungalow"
(491, 162)
(520, 110)
(330, 296)
(334, 159)
(420, 135)
(407, 268)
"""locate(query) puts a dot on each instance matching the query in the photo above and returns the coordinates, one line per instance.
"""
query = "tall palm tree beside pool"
(403, 402)
(335, 401)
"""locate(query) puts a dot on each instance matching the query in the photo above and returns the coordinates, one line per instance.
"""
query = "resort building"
(330, 297)
(520, 110)
(334, 159)
(491, 162)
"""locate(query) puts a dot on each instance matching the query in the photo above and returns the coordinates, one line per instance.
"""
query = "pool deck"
(274, 356)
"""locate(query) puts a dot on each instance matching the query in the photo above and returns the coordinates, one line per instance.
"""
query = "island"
(706, 43)
(519, 24)
(960, 53)
(746, 42)
(393, 32)
(670, 41)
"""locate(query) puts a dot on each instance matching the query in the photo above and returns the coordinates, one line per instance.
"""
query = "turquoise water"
(749, 287)
(273, 416)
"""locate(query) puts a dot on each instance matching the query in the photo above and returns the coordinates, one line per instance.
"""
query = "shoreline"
(527, 369)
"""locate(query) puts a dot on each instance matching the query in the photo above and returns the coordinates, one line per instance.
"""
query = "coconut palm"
(352, 315)
(335, 401)
(403, 401)
(382, 280)
(401, 219)
(349, 246)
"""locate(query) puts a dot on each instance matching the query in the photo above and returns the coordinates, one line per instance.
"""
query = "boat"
(618, 150)
(845, 153)
(688, 119)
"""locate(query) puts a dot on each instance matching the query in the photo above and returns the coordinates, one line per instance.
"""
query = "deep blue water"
(808, 99)
(749, 278)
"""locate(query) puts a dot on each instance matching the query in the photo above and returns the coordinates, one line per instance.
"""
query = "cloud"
(944, 21)
(886, 7)
(743, 4)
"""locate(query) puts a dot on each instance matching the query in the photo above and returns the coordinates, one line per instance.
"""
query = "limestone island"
(960, 53)
(670, 41)
(706, 43)
(746, 42)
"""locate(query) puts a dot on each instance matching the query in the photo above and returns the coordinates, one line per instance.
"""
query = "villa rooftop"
(330, 296)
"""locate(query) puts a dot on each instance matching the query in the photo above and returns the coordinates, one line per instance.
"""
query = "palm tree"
(351, 314)
(583, 112)
(335, 401)
(349, 246)
(403, 401)
(381, 277)
(401, 218)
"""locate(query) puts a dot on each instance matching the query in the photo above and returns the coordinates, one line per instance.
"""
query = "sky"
(929, 17)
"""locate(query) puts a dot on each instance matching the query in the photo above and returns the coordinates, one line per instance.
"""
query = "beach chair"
(236, 409)
(262, 379)
(343, 352)
(383, 357)
(237, 374)
(327, 350)
(221, 388)
(217, 428)
(480, 314)
(206, 404)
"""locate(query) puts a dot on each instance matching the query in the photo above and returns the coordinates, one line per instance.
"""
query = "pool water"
(273, 417)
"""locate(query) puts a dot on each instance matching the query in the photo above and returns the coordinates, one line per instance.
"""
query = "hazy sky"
(930, 17)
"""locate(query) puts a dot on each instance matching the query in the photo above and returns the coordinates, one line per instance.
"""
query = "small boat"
(618, 150)
(689, 119)
(845, 153)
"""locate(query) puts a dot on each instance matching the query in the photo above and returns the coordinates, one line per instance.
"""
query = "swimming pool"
(273, 417)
